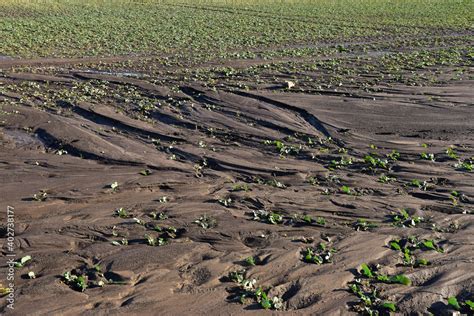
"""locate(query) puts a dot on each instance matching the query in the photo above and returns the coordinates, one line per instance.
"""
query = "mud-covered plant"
(403, 219)
(466, 165)
(386, 179)
(267, 217)
(363, 225)
(145, 172)
(206, 221)
(342, 162)
(22, 261)
(241, 187)
(248, 290)
(41, 196)
(155, 241)
(158, 216)
(225, 201)
(77, 282)
(319, 255)
(121, 212)
(427, 156)
(370, 302)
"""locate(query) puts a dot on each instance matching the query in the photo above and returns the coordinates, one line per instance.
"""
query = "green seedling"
(466, 165)
(22, 262)
(370, 303)
(121, 212)
(250, 261)
(160, 216)
(345, 189)
(268, 217)
(423, 185)
(375, 162)
(403, 219)
(427, 156)
(41, 196)
(78, 282)
(370, 273)
(363, 225)
(394, 155)
(241, 187)
(275, 183)
(319, 255)
(123, 242)
(139, 221)
(451, 153)
(342, 162)
(145, 172)
(206, 221)
(249, 290)
(114, 185)
(225, 202)
(163, 199)
(154, 241)
(386, 179)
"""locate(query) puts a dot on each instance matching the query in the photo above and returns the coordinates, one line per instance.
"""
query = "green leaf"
(470, 304)
(401, 279)
(390, 306)
(366, 271)
(394, 245)
(453, 302)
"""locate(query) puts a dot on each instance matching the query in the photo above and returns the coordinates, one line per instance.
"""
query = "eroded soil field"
(102, 157)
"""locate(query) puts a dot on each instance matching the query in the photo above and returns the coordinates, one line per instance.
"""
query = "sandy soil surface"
(189, 159)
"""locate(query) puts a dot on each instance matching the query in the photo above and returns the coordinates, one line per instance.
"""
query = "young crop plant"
(427, 156)
(374, 162)
(394, 155)
(451, 153)
(267, 217)
(206, 221)
(422, 185)
(370, 302)
(403, 219)
(241, 187)
(121, 212)
(159, 216)
(146, 172)
(319, 255)
(22, 261)
(86, 277)
(338, 164)
(386, 179)
(248, 290)
(466, 165)
(155, 241)
(41, 196)
(307, 219)
(226, 201)
(346, 190)
(363, 225)
(466, 307)
(374, 274)
(407, 249)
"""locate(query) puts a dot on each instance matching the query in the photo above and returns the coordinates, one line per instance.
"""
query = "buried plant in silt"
(87, 277)
(403, 219)
(248, 291)
(319, 255)
(407, 247)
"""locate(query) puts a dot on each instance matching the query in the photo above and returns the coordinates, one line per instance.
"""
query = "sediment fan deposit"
(187, 149)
